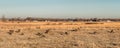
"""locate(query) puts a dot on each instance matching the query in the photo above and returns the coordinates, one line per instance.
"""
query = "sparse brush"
(92, 32)
(93, 23)
(22, 34)
(47, 24)
(74, 30)
(113, 44)
(29, 28)
(10, 32)
(111, 31)
(64, 33)
(37, 27)
(40, 35)
(47, 31)
(60, 24)
(69, 24)
(1, 39)
(18, 31)
(53, 23)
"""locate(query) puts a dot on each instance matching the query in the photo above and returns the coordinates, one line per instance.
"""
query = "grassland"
(59, 34)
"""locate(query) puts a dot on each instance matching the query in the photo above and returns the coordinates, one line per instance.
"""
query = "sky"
(60, 8)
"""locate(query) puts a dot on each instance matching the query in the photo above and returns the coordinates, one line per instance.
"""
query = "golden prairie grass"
(60, 35)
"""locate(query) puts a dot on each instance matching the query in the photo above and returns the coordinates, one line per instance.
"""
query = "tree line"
(58, 19)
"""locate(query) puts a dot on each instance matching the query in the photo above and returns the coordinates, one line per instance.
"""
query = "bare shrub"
(74, 30)
(3, 18)
(64, 33)
(75, 44)
(17, 31)
(10, 32)
(47, 31)
(113, 44)
(40, 35)
(92, 32)
(111, 31)
(22, 34)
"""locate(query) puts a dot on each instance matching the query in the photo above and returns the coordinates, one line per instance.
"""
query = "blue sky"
(61, 8)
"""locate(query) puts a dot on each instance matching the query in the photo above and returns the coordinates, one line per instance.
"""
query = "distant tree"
(29, 19)
(3, 18)
(94, 19)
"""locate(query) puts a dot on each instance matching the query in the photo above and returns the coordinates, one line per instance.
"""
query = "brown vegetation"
(59, 34)
(31, 19)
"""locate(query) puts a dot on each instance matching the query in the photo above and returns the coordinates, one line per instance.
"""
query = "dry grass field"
(59, 35)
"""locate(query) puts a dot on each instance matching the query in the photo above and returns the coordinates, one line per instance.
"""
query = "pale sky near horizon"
(61, 8)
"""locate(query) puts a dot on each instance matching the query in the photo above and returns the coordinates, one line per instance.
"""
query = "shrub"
(10, 32)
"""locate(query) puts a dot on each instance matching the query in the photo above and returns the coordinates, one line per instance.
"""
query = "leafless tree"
(3, 18)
